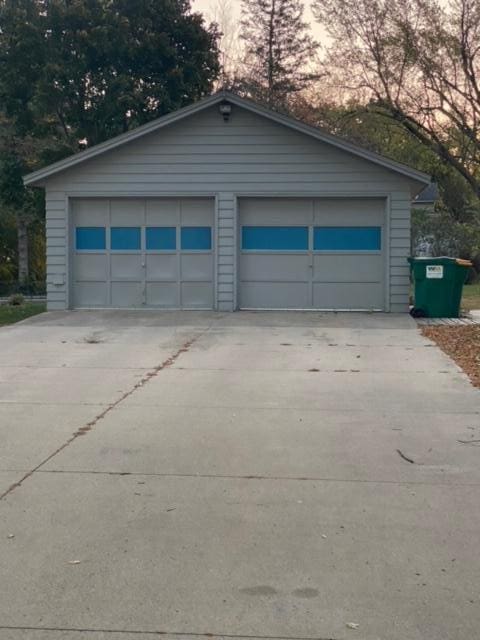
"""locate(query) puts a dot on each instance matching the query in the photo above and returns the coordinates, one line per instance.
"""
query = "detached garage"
(226, 205)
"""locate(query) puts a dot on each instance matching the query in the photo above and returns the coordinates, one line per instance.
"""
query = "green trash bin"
(438, 286)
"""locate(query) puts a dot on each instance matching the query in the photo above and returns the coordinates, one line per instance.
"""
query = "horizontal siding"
(226, 252)
(399, 251)
(249, 154)
(57, 240)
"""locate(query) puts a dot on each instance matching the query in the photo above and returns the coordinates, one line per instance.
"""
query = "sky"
(205, 6)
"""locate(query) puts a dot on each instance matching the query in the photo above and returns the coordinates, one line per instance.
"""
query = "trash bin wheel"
(418, 313)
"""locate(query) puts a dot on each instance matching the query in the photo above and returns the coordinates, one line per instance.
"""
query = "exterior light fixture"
(225, 109)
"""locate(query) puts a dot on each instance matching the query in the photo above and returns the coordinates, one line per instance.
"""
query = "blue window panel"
(161, 238)
(347, 239)
(90, 238)
(125, 238)
(196, 238)
(275, 238)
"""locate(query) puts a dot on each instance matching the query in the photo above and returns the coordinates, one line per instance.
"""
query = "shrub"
(16, 300)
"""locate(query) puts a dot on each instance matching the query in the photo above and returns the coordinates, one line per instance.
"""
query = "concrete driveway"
(236, 476)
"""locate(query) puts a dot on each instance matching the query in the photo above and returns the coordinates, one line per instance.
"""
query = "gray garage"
(226, 205)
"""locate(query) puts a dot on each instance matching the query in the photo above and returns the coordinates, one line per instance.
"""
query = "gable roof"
(37, 177)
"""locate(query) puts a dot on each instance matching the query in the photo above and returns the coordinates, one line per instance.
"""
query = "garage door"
(312, 254)
(142, 253)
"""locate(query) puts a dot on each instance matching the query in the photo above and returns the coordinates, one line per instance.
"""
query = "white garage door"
(131, 253)
(312, 254)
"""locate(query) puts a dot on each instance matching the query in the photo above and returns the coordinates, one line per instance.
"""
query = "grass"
(471, 297)
(10, 314)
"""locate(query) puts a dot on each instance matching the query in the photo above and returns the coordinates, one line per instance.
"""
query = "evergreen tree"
(278, 51)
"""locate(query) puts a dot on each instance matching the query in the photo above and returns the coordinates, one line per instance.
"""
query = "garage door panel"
(90, 294)
(347, 268)
(90, 213)
(196, 213)
(91, 266)
(196, 267)
(363, 211)
(162, 213)
(271, 267)
(164, 295)
(275, 295)
(271, 211)
(126, 212)
(126, 267)
(127, 294)
(162, 267)
(196, 295)
(348, 219)
(344, 295)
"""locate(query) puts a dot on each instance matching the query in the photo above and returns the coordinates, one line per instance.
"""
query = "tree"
(416, 62)
(74, 73)
(230, 46)
(83, 72)
(17, 204)
(278, 50)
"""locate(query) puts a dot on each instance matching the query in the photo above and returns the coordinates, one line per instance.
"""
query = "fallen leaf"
(10, 535)
(74, 561)
(352, 625)
(462, 343)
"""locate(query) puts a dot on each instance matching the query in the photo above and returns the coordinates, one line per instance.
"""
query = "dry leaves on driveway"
(460, 343)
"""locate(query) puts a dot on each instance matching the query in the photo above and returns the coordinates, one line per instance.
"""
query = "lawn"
(471, 297)
(14, 313)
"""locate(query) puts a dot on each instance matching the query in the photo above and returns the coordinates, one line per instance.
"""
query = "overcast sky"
(205, 7)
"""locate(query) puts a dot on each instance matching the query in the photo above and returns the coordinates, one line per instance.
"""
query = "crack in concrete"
(36, 367)
(315, 370)
(232, 407)
(51, 404)
(89, 426)
(207, 476)
(189, 634)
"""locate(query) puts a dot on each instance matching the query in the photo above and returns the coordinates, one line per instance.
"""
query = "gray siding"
(248, 156)
(399, 251)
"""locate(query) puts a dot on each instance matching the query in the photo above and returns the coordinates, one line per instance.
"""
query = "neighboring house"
(227, 205)
(427, 198)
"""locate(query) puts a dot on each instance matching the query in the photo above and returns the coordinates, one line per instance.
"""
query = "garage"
(312, 253)
(135, 253)
(226, 205)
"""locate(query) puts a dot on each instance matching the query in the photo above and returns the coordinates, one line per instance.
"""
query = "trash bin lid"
(441, 260)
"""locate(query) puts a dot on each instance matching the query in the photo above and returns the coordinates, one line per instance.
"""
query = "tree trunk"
(22, 239)
(270, 62)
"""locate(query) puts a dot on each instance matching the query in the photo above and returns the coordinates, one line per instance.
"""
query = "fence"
(30, 289)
